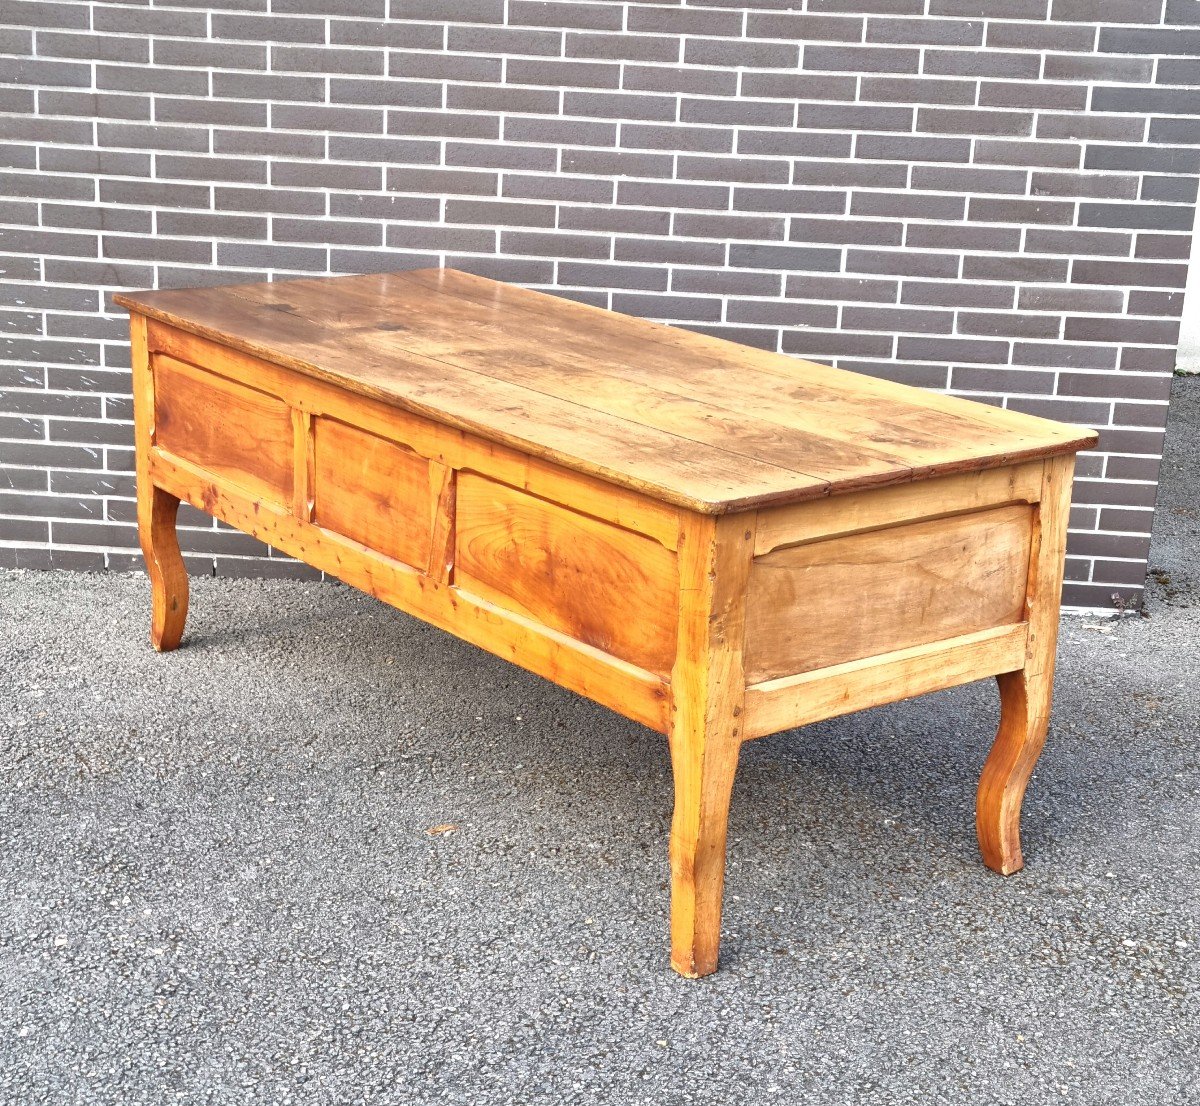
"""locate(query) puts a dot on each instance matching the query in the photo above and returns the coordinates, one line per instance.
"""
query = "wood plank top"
(692, 420)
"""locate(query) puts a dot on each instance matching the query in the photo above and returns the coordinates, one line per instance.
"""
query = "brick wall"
(988, 196)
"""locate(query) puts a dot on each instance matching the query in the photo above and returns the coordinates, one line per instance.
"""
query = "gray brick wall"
(991, 197)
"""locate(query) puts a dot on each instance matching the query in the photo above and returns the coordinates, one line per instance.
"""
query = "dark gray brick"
(992, 151)
(991, 9)
(501, 156)
(1090, 184)
(1028, 94)
(790, 201)
(694, 82)
(1165, 40)
(1094, 328)
(902, 263)
(761, 256)
(797, 27)
(460, 11)
(1088, 67)
(956, 294)
(862, 59)
(1114, 11)
(1114, 128)
(735, 169)
(676, 20)
(624, 220)
(973, 122)
(1169, 247)
(1156, 304)
(897, 320)
(1070, 243)
(743, 53)
(912, 148)
(868, 7)
(1171, 189)
(1135, 274)
(753, 227)
(1182, 13)
(1005, 324)
(557, 73)
(1155, 216)
(795, 143)
(619, 105)
(500, 213)
(844, 231)
(1070, 300)
(1185, 71)
(623, 47)
(740, 112)
(1160, 101)
(671, 251)
(969, 350)
(918, 90)
(813, 87)
(953, 178)
(926, 32)
(872, 117)
(268, 28)
(209, 54)
(1060, 355)
(948, 236)
(982, 63)
(1045, 270)
(599, 16)
(993, 210)
(662, 136)
(442, 124)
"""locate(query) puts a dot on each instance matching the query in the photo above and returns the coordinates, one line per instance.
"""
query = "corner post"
(156, 508)
(708, 690)
(1025, 695)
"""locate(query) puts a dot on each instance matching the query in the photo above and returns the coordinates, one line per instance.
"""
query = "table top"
(686, 418)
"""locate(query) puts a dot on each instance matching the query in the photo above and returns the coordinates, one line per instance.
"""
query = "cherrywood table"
(717, 542)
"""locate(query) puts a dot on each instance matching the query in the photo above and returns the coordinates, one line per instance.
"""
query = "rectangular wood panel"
(372, 490)
(829, 602)
(605, 586)
(237, 433)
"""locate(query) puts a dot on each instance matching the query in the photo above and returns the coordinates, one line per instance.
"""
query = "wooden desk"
(717, 542)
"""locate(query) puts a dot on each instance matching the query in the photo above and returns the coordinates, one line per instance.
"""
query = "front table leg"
(1025, 695)
(1024, 720)
(708, 692)
(157, 511)
(704, 763)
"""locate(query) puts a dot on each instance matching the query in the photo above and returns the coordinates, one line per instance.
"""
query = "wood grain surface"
(692, 420)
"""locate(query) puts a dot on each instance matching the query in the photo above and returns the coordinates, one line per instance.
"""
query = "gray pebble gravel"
(218, 884)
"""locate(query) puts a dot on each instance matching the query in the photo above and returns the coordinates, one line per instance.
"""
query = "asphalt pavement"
(325, 854)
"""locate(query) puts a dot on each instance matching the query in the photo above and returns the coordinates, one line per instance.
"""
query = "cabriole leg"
(157, 511)
(1024, 719)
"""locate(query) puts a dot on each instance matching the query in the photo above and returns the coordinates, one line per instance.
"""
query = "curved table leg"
(168, 578)
(1024, 719)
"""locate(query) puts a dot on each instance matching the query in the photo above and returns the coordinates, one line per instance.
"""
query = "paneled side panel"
(608, 587)
(371, 490)
(237, 433)
(863, 595)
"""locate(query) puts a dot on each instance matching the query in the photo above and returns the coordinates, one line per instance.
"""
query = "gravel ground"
(220, 886)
